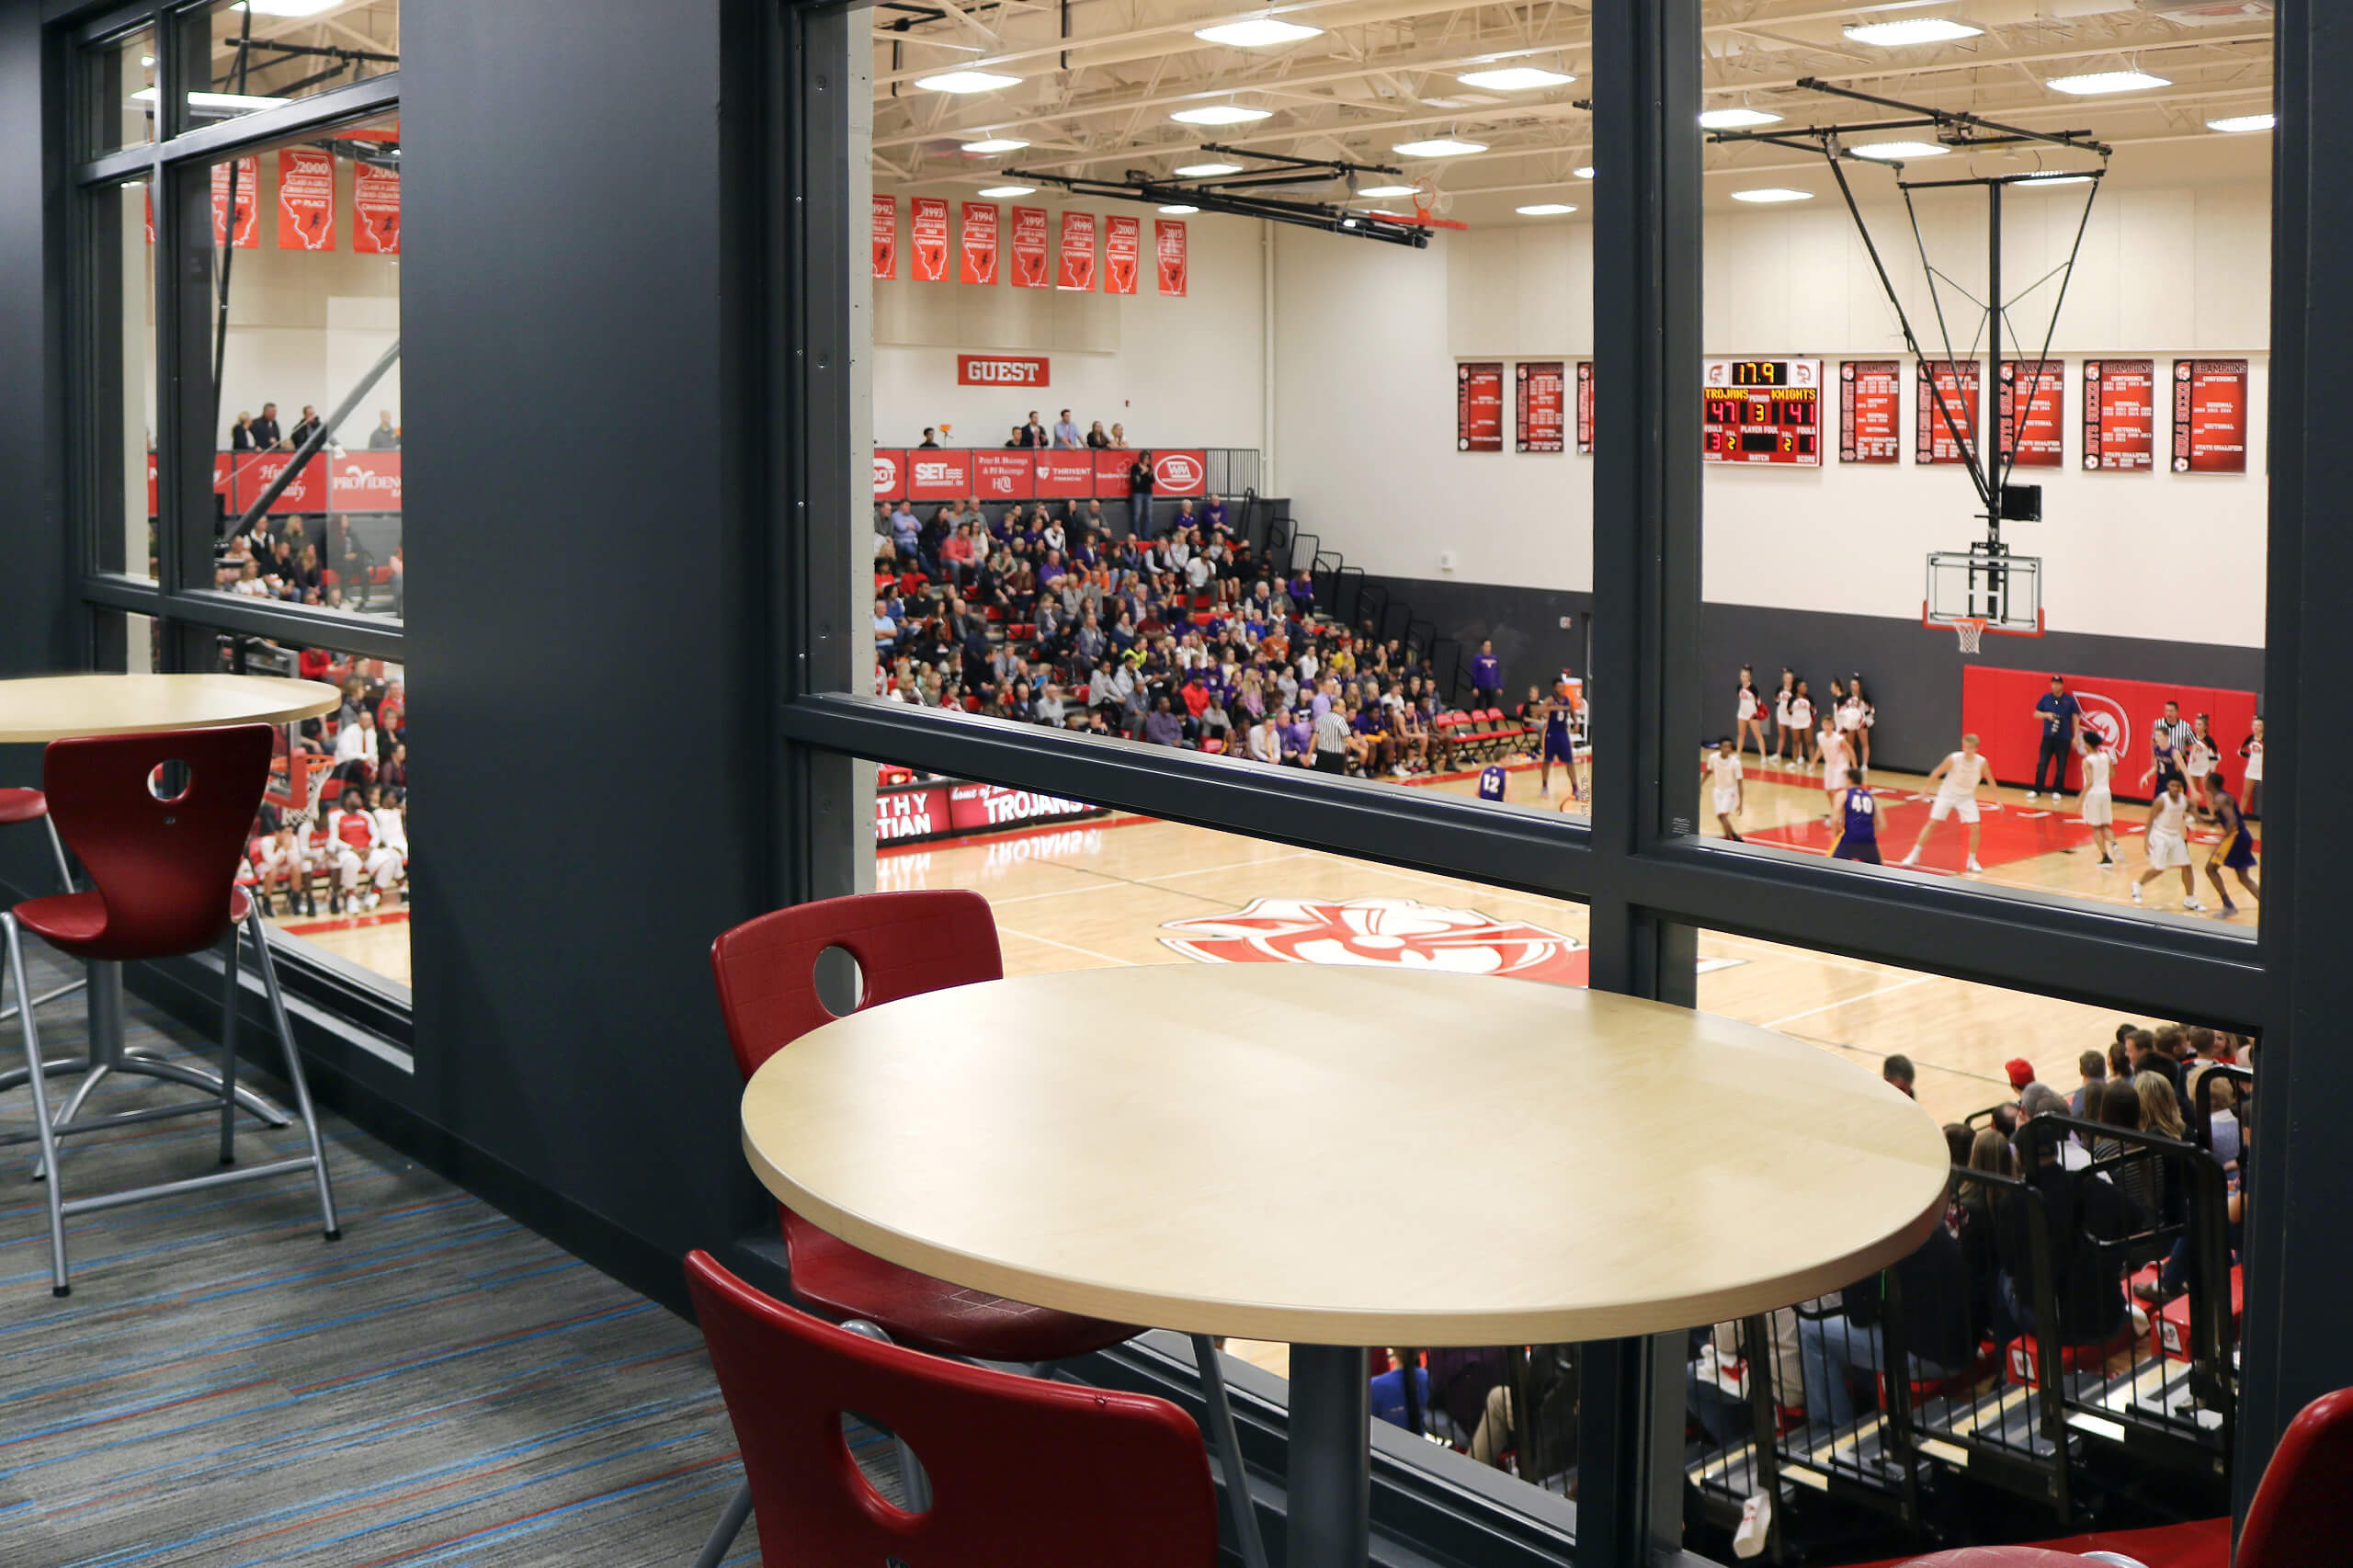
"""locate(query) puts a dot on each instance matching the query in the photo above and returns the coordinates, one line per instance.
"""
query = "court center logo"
(1370, 932)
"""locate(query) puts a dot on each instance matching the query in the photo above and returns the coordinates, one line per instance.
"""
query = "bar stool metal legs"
(228, 1098)
(14, 1076)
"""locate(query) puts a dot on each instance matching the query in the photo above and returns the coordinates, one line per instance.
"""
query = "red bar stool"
(164, 871)
(31, 805)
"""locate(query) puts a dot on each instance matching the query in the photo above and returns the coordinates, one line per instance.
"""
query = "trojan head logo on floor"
(1401, 931)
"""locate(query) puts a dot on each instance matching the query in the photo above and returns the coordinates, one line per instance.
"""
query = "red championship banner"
(2119, 415)
(1079, 251)
(928, 222)
(889, 474)
(375, 211)
(1004, 476)
(1998, 705)
(2210, 415)
(886, 236)
(1029, 247)
(1543, 404)
(1953, 391)
(979, 250)
(1112, 474)
(935, 475)
(1122, 252)
(1871, 410)
(1003, 370)
(1479, 407)
(1585, 408)
(1168, 243)
(305, 199)
(2034, 413)
(248, 225)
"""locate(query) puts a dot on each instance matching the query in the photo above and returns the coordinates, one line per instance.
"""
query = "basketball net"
(1425, 197)
(1972, 633)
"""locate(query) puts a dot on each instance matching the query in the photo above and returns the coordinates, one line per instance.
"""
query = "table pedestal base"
(1330, 1485)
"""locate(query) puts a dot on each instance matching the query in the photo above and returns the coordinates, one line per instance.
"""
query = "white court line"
(1087, 952)
(1131, 882)
(1831, 1007)
(1231, 866)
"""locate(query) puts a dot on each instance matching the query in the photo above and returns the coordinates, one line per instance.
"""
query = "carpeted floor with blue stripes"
(224, 1389)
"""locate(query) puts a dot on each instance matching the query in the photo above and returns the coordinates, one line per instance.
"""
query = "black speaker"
(2022, 503)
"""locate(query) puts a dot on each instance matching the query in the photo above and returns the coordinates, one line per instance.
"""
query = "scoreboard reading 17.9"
(1763, 411)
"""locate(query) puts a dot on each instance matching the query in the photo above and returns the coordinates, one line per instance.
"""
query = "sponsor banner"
(889, 474)
(365, 482)
(1003, 370)
(375, 211)
(1079, 251)
(305, 199)
(1112, 474)
(241, 477)
(1585, 408)
(1871, 410)
(979, 250)
(1180, 472)
(1029, 247)
(1952, 393)
(1998, 705)
(940, 811)
(938, 476)
(2210, 402)
(1542, 406)
(2034, 412)
(1123, 253)
(2119, 415)
(1169, 242)
(1067, 475)
(886, 236)
(1479, 407)
(928, 222)
(248, 225)
(1005, 476)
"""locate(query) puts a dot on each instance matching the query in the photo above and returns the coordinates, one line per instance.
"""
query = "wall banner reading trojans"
(1123, 253)
(305, 199)
(928, 223)
(1169, 242)
(1079, 251)
(1029, 247)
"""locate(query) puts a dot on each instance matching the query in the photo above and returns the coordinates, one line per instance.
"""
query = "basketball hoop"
(1972, 633)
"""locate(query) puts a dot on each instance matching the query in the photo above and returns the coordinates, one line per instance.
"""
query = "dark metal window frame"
(176, 169)
(1650, 884)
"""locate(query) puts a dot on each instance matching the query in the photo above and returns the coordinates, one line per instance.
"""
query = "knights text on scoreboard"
(1763, 411)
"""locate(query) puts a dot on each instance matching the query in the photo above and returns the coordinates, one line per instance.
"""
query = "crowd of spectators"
(358, 842)
(1186, 637)
(251, 434)
(1064, 435)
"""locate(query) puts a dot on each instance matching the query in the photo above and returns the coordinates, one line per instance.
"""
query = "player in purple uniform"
(2236, 850)
(1559, 739)
(1859, 831)
(1492, 780)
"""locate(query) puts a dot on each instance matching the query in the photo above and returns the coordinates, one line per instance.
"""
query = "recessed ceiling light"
(1178, 209)
(1378, 192)
(1011, 190)
(2238, 122)
(1890, 152)
(288, 8)
(1514, 79)
(1437, 147)
(1584, 173)
(2096, 82)
(966, 82)
(1256, 33)
(1770, 193)
(1919, 29)
(215, 100)
(996, 145)
(1219, 114)
(1207, 171)
(1544, 209)
(1736, 118)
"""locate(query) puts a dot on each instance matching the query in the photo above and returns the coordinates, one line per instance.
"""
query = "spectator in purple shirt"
(1161, 728)
(1486, 677)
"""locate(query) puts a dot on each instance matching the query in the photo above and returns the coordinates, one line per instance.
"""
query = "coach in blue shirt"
(2061, 714)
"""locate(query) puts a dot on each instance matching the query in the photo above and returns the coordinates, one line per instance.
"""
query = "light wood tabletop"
(52, 708)
(1345, 1155)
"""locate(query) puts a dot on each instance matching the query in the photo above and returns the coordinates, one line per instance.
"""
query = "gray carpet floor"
(224, 1389)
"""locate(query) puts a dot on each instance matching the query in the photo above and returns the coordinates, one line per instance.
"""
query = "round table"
(54, 707)
(1345, 1156)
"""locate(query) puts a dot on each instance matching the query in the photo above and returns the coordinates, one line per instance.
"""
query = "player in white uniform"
(2098, 805)
(1723, 766)
(2169, 842)
(1749, 715)
(1836, 758)
(1957, 779)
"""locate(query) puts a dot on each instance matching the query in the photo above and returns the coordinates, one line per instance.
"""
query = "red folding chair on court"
(163, 872)
(908, 944)
(1021, 1470)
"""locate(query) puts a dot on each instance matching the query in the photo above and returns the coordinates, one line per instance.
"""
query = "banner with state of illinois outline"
(1079, 251)
(305, 199)
(886, 237)
(1029, 248)
(928, 223)
(979, 250)
(1123, 253)
(375, 210)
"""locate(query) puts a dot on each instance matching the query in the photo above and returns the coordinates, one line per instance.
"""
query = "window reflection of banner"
(248, 183)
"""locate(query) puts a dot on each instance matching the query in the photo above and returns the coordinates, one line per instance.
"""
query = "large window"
(235, 427)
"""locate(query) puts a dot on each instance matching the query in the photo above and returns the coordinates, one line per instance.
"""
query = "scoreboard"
(1763, 411)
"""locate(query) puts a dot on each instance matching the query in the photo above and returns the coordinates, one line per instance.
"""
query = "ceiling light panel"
(1259, 32)
(1514, 79)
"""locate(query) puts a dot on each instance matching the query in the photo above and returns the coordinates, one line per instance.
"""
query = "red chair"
(31, 805)
(908, 944)
(2302, 1511)
(162, 874)
(1021, 1470)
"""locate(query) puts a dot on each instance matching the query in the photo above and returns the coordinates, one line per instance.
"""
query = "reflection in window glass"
(1077, 887)
(119, 93)
(268, 52)
(311, 274)
(124, 479)
(2093, 1226)
(125, 643)
(329, 852)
